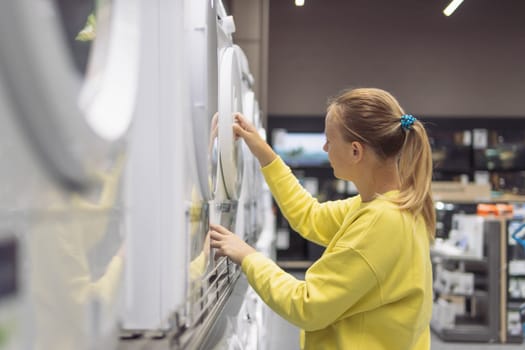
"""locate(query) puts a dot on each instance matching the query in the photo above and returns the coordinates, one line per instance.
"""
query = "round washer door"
(230, 102)
(74, 113)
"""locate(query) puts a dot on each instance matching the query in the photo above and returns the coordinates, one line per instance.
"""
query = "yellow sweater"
(372, 287)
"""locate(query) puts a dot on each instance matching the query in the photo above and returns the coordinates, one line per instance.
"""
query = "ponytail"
(415, 172)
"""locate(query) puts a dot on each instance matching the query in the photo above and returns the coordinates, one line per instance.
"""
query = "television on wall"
(300, 149)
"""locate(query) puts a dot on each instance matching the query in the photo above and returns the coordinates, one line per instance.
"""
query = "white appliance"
(234, 205)
(227, 191)
(466, 235)
(62, 137)
(171, 179)
(203, 65)
(229, 165)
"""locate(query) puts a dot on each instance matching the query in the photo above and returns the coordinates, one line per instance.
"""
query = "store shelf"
(516, 300)
(465, 332)
(480, 294)
(437, 253)
(482, 319)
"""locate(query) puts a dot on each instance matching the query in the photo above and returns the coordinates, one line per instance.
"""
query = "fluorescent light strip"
(299, 2)
(452, 7)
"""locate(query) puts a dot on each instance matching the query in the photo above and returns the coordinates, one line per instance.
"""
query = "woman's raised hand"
(260, 149)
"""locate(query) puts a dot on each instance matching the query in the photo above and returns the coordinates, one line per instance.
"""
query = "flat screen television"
(300, 149)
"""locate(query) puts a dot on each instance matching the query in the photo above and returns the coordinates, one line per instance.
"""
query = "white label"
(480, 139)
(467, 138)
(481, 177)
(516, 267)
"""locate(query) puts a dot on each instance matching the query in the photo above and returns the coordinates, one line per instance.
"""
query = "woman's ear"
(356, 151)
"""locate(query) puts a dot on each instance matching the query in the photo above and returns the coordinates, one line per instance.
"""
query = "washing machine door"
(230, 102)
(73, 96)
(247, 77)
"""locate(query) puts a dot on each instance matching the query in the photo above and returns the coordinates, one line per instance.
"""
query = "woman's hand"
(228, 244)
(260, 149)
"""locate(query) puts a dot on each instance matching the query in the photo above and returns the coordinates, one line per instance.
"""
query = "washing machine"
(154, 277)
(216, 154)
(230, 160)
(172, 169)
(201, 36)
(66, 108)
(227, 151)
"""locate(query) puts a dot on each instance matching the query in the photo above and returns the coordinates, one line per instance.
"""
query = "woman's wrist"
(266, 155)
(245, 253)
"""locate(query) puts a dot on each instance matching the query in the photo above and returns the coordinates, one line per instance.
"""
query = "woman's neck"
(378, 180)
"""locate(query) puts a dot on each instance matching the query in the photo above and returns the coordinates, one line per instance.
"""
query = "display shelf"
(480, 294)
(465, 332)
(514, 307)
(516, 300)
(482, 321)
(444, 255)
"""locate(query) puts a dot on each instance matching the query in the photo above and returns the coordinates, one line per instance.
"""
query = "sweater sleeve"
(332, 286)
(315, 221)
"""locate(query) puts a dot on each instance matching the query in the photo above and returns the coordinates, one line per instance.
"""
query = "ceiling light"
(452, 7)
(299, 2)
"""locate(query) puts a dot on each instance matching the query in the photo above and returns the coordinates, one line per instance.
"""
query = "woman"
(372, 287)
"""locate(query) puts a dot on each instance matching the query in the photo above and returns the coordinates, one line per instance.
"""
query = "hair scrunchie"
(407, 120)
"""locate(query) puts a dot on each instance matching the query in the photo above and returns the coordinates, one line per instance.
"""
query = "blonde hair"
(373, 116)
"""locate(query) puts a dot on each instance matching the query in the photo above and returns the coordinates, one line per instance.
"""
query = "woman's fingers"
(216, 245)
(220, 229)
(216, 240)
(228, 244)
(219, 243)
(218, 235)
(238, 131)
(241, 120)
